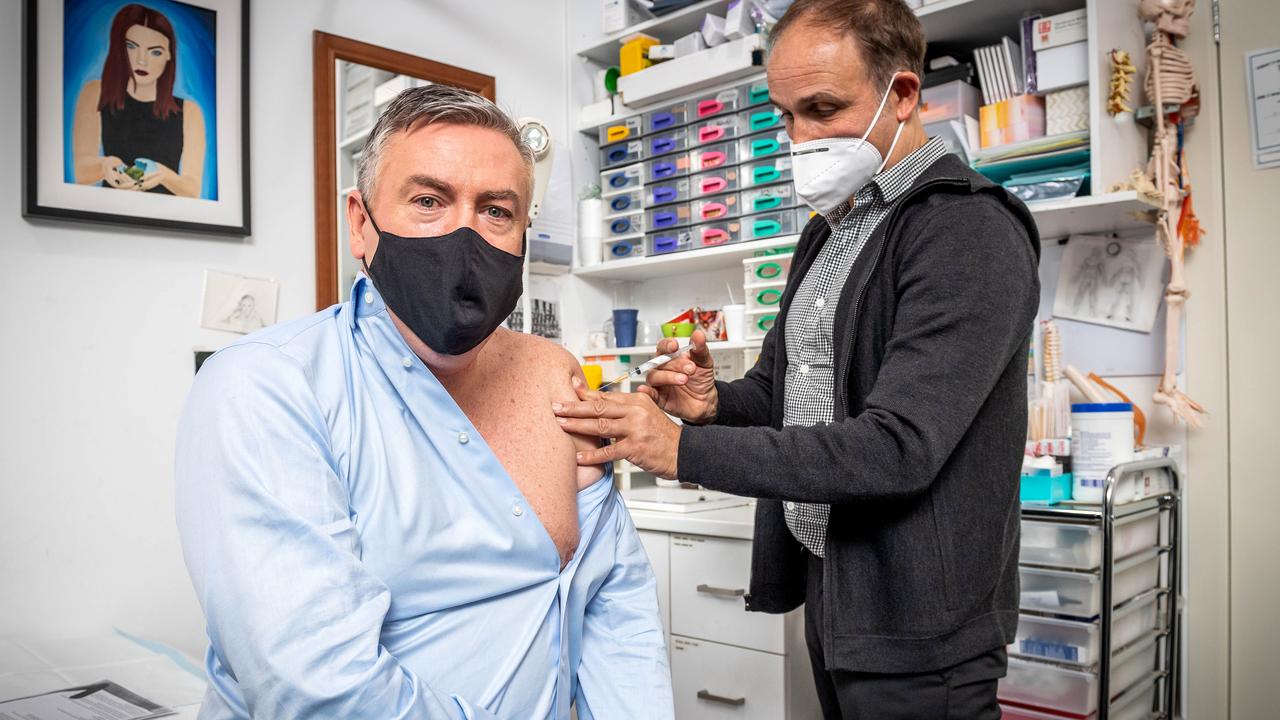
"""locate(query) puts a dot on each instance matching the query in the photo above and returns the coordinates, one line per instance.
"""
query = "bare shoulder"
(90, 92)
(542, 363)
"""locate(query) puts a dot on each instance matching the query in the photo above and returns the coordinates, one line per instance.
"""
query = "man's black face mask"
(452, 291)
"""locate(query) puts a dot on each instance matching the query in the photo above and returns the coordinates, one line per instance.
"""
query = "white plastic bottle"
(1101, 438)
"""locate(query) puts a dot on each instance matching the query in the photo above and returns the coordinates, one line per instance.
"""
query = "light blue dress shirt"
(360, 552)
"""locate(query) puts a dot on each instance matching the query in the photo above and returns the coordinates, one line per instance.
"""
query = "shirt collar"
(365, 299)
(892, 182)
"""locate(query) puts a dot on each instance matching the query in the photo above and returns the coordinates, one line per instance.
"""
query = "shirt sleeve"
(291, 612)
(624, 672)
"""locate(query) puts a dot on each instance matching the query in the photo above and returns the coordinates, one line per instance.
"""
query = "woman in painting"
(130, 132)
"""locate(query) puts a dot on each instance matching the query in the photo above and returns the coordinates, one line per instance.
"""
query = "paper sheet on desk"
(104, 700)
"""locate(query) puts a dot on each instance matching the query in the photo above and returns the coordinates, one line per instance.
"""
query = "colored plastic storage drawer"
(719, 207)
(621, 154)
(1075, 692)
(767, 225)
(716, 182)
(718, 233)
(667, 217)
(716, 103)
(710, 157)
(767, 172)
(768, 198)
(666, 168)
(753, 94)
(759, 120)
(665, 143)
(665, 193)
(666, 118)
(621, 180)
(623, 203)
(624, 248)
(628, 129)
(1076, 642)
(765, 145)
(624, 225)
(766, 270)
(715, 130)
(670, 241)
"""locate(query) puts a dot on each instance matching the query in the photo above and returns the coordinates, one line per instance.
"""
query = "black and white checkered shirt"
(810, 385)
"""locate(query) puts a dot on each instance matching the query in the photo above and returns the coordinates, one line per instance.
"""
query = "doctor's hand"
(640, 431)
(685, 386)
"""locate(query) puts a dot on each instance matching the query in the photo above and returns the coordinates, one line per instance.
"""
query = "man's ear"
(906, 86)
(357, 218)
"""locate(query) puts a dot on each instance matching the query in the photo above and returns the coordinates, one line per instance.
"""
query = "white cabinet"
(725, 662)
(709, 578)
(711, 680)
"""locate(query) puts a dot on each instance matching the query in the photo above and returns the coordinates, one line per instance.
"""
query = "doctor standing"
(883, 423)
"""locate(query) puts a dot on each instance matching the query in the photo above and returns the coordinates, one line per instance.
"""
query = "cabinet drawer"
(713, 681)
(708, 582)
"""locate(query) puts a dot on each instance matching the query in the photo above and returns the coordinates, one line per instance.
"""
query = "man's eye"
(498, 213)
(425, 202)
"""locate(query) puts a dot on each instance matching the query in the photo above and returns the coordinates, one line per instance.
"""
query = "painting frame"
(44, 135)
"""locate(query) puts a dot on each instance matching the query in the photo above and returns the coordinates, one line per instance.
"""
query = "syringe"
(643, 368)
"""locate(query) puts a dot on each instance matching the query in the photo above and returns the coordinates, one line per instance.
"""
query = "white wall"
(97, 337)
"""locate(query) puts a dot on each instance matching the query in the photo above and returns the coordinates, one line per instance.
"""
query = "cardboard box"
(1066, 110)
(1062, 67)
(1063, 29)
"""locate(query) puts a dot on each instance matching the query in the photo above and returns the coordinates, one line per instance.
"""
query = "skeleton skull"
(1170, 16)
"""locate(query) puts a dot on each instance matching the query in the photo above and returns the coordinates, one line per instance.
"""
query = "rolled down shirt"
(359, 551)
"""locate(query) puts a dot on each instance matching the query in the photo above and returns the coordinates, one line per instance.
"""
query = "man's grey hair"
(434, 104)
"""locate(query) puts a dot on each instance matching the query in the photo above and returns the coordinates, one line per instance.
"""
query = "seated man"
(379, 512)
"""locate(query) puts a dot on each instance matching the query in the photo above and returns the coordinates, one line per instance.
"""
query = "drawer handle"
(620, 226)
(621, 249)
(766, 203)
(715, 158)
(764, 146)
(665, 243)
(710, 133)
(713, 236)
(664, 219)
(714, 210)
(768, 271)
(765, 174)
(763, 120)
(769, 296)
(663, 170)
(616, 133)
(722, 592)
(620, 203)
(662, 121)
(664, 194)
(713, 185)
(620, 180)
(712, 697)
(765, 228)
(758, 94)
(709, 107)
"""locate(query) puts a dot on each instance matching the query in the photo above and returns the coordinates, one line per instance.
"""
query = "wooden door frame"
(327, 49)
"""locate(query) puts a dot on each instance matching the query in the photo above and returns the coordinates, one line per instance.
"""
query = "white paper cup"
(590, 220)
(735, 322)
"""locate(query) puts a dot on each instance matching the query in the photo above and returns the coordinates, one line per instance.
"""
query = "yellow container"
(634, 55)
(594, 375)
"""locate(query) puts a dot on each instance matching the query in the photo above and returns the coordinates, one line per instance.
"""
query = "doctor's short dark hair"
(889, 36)
(434, 104)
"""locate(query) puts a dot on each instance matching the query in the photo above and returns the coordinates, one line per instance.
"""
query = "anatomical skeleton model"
(1171, 80)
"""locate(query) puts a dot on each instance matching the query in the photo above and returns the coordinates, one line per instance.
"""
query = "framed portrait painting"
(137, 113)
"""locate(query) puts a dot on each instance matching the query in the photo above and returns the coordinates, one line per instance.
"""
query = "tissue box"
(738, 22)
(1066, 110)
(712, 30)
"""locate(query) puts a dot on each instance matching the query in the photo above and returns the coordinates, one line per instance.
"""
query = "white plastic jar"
(1101, 438)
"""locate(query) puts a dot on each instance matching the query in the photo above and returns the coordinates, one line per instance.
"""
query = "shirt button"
(791, 506)
(463, 438)
(517, 510)
(368, 297)
(407, 362)
(804, 369)
(820, 302)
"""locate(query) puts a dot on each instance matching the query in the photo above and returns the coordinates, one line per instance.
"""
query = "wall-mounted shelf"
(716, 258)
(666, 28)
(649, 350)
(983, 21)
(1109, 212)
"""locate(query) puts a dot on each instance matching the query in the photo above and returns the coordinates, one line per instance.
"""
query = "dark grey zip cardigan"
(922, 461)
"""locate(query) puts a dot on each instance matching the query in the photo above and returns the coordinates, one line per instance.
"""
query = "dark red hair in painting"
(117, 72)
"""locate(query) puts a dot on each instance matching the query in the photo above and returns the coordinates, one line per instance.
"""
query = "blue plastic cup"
(624, 327)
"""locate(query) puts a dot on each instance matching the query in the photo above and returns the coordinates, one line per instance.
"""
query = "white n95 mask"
(829, 171)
